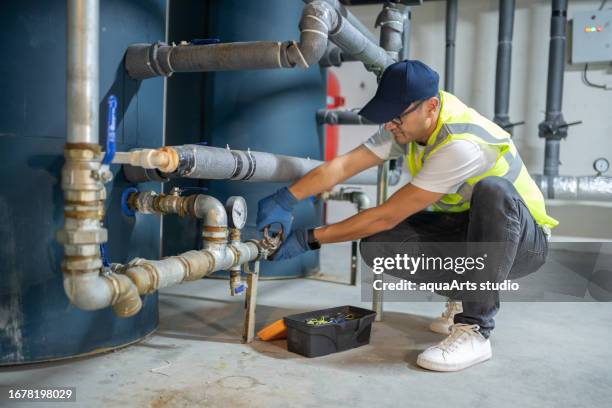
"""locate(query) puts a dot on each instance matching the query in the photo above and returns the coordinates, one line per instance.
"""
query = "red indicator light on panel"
(599, 28)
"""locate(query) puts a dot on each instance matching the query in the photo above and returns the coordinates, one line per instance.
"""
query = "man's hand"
(296, 244)
(276, 208)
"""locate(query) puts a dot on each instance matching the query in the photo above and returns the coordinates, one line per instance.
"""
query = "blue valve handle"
(125, 209)
(111, 127)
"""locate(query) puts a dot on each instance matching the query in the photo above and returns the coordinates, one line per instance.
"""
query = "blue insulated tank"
(265, 110)
(37, 322)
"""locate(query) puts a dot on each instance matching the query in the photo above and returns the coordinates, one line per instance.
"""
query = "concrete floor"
(545, 355)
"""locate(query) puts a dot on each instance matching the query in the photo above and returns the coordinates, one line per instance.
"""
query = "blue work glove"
(294, 245)
(276, 208)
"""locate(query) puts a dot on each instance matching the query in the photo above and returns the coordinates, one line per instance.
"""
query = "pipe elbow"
(88, 290)
(318, 19)
(361, 200)
(127, 302)
(210, 210)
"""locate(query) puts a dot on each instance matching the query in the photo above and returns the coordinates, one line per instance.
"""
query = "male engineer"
(468, 184)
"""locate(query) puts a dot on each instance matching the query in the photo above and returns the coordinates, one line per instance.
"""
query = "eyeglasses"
(398, 121)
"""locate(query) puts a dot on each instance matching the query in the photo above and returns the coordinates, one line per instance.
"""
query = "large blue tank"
(267, 110)
(37, 322)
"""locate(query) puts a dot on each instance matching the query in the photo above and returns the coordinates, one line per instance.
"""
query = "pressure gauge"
(601, 165)
(236, 208)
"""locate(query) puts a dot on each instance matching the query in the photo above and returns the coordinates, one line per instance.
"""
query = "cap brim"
(380, 111)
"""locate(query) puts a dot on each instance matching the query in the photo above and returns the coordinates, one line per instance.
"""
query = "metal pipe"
(451, 33)
(504, 64)
(319, 21)
(381, 197)
(214, 163)
(587, 188)
(345, 13)
(84, 193)
(83, 72)
(405, 51)
(340, 117)
(554, 127)
(391, 23)
(334, 57)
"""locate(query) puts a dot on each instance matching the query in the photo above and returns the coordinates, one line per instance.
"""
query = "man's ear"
(432, 104)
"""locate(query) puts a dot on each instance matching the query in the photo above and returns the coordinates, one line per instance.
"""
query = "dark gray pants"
(497, 215)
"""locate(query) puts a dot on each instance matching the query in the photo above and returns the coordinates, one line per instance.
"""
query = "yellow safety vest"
(459, 122)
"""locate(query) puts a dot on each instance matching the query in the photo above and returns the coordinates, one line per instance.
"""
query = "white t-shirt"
(444, 170)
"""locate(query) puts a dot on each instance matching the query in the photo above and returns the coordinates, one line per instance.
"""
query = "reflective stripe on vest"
(512, 171)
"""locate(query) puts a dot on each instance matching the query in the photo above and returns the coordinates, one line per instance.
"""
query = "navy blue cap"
(401, 84)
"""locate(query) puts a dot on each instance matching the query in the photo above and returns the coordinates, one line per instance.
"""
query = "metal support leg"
(354, 262)
(381, 197)
(250, 301)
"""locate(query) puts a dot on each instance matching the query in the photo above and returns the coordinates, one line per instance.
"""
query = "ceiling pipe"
(84, 193)
(215, 163)
(451, 34)
(504, 65)
(319, 21)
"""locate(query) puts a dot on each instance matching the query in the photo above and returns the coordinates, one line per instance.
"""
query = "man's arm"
(405, 202)
(333, 172)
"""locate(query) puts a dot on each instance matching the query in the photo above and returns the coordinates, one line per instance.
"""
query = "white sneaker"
(443, 323)
(464, 347)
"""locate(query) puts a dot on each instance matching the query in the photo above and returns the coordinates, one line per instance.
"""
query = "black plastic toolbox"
(314, 341)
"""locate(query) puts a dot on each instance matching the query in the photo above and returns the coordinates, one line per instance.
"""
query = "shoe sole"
(429, 365)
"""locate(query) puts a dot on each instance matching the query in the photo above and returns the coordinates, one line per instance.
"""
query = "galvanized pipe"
(82, 70)
(84, 193)
(405, 51)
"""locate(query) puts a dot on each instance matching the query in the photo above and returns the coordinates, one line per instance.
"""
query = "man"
(468, 184)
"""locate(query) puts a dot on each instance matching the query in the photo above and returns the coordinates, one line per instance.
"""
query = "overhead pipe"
(215, 163)
(451, 34)
(217, 254)
(504, 65)
(319, 21)
(334, 57)
(554, 127)
(84, 193)
(341, 117)
(405, 51)
(345, 13)
(391, 23)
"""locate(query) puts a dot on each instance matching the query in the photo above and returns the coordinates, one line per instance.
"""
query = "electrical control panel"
(592, 36)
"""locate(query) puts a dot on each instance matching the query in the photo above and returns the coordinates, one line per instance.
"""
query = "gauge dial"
(236, 208)
(601, 165)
